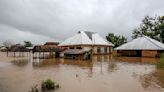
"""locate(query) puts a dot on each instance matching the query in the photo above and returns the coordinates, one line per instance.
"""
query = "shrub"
(48, 84)
(160, 63)
(34, 89)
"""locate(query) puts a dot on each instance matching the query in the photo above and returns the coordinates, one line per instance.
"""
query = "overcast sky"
(55, 20)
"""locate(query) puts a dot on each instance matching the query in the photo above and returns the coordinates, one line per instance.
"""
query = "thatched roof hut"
(51, 43)
(18, 48)
(3, 48)
(48, 47)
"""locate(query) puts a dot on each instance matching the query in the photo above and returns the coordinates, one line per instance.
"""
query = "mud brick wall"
(149, 53)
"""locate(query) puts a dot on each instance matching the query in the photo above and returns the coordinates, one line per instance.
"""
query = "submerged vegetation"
(46, 86)
(49, 85)
(34, 89)
(160, 63)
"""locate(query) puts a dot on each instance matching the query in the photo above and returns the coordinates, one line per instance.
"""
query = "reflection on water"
(57, 62)
(151, 80)
(20, 63)
(104, 73)
(112, 66)
(159, 75)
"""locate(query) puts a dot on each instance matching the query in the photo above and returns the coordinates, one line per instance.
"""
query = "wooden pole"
(14, 53)
(39, 54)
(7, 52)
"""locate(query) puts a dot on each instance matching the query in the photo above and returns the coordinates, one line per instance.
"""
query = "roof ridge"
(93, 40)
(82, 34)
(81, 37)
(153, 42)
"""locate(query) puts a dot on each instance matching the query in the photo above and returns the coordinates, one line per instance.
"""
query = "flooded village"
(81, 46)
(84, 62)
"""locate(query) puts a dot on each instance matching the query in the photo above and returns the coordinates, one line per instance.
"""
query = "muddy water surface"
(102, 74)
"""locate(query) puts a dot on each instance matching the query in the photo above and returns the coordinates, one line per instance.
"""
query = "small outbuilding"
(3, 49)
(88, 41)
(77, 54)
(141, 47)
(18, 48)
(47, 47)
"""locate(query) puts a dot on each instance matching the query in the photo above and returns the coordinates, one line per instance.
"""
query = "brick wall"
(149, 53)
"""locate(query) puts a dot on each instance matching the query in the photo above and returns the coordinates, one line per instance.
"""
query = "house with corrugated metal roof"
(141, 46)
(85, 40)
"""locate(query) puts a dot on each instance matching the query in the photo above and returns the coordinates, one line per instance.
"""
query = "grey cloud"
(59, 19)
(17, 36)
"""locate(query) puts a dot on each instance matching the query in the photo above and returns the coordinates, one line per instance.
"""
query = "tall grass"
(160, 63)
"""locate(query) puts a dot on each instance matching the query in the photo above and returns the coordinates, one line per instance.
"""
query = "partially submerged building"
(18, 48)
(141, 47)
(3, 49)
(80, 54)
(88, 41)
(48, 49)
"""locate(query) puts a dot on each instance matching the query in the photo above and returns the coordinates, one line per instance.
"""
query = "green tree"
(151, 27)
(161, 27)
(116, 40)
(28, 44)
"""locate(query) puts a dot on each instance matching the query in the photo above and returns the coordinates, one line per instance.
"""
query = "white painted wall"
(102, 50)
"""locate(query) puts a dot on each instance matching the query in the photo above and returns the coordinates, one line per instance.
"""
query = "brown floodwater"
(104, 73)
